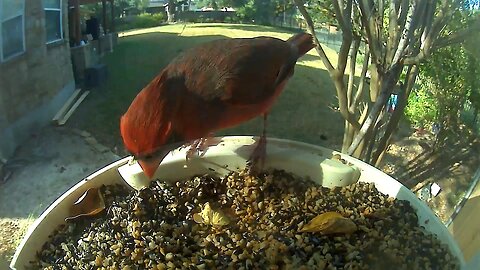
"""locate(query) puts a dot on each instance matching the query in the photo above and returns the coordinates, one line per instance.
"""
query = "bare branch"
(392, 33)
(335, 74)
(311, 30)
(371, 118)
(351, 75)
(402, 18)
(344, 18)
(437, 25)
(368, 21)
(390, 78)
(417, 23)
(428, 20)
(343, 101)
(360, 88)
(392, 124)
(379, 28)
(341, 15)
(407, 33)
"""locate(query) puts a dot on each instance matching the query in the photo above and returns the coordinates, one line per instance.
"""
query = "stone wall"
(35, 84)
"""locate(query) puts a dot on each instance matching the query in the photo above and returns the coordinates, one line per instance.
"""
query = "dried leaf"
(211, 217)
(90, 203)
(330, 223)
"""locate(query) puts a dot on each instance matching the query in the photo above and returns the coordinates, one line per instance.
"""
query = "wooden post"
(112, 14)
(104, 15)
(76, 19)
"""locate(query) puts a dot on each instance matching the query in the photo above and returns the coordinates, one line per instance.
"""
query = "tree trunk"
(389, 80)
(171, 11)
(396, 116)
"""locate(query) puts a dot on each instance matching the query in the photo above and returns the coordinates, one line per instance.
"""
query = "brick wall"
(35, 84)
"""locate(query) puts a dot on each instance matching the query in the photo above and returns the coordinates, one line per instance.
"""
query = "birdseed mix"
(244, 222)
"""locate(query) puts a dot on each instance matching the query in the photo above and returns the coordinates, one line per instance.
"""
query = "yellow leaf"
(211, 217)
(330, 223)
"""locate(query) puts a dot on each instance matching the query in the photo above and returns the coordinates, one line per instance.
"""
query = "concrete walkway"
(48, 164)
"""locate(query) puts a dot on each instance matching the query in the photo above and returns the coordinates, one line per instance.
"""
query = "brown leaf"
(330, 223)
(90, 203)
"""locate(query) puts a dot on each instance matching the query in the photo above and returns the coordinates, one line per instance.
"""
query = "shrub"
(144, 20)
(423, 107)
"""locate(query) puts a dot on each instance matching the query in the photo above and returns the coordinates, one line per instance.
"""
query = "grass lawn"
(302, 112)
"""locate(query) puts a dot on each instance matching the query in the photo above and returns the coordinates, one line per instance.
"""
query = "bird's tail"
(303, 42)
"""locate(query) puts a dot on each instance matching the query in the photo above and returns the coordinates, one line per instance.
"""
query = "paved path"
(49, 163)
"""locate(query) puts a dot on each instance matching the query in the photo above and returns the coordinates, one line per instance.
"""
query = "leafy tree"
(398, 36)
(447, 80)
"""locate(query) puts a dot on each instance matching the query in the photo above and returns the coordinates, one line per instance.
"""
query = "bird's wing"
(235, 71)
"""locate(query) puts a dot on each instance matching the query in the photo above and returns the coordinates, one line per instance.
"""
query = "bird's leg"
(200, 146)
(257, 159)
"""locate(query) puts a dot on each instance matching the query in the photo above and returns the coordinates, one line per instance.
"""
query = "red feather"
(210, 87)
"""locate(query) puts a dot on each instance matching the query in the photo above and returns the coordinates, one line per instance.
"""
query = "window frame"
(60, 10)
(2, 20)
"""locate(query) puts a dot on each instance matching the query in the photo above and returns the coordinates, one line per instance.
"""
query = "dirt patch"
(413, 162)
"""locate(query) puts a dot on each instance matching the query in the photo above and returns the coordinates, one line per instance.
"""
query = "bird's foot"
(257, 160)
(199, 146)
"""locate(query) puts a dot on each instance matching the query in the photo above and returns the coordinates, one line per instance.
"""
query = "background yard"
(303, 112)
(306, 111)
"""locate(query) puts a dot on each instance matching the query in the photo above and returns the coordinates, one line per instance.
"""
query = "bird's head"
(145, 128)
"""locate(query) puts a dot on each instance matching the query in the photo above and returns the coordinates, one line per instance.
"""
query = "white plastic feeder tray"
(231, 154)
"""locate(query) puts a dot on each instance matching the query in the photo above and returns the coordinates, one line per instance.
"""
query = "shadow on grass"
(247, 27)
(436, 164)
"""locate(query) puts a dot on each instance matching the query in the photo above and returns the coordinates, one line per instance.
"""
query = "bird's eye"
(148, 157)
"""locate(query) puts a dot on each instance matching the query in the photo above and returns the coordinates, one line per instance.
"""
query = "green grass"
(301, 113)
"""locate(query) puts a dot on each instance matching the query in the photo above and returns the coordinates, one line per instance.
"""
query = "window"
(53, 20)
(12, 28)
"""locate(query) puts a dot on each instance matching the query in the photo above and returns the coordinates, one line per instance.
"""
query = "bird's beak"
(150, 167)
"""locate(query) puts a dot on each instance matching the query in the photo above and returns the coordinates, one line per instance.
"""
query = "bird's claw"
(256, 161)
(199, 147)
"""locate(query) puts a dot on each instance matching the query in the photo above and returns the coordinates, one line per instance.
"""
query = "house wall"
(35, 84)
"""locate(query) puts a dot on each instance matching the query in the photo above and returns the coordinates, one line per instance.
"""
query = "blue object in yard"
(436, 128)
(392, 103)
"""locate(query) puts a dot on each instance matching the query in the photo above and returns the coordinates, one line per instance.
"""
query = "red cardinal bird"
(210, 87)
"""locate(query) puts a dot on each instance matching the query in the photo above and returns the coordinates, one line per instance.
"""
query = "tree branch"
(342, 100)
(334, 74)
(392, 124)
(351, 75)
(390, 79)
(340, 15)
(311, 30)
(368, 21)
(345, 21)
(428, 20)
(407, 32)
(425, 48)
(392, 33)
(416, 24)
(360, 88)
